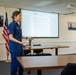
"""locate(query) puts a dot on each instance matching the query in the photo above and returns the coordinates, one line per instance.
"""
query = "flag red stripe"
(5, 33)
(5, 38)
(5, 28)
(7, 47)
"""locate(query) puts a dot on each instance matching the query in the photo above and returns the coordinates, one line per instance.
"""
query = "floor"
(5, 70)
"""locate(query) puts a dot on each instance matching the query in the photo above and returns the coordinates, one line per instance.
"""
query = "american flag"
(5, 33)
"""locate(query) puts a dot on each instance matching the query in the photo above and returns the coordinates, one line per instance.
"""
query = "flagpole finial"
(5, 9)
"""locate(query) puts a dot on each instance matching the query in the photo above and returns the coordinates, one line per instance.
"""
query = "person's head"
(16, 15)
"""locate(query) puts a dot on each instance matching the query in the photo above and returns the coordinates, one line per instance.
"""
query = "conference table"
(45, 62)
(51, 47)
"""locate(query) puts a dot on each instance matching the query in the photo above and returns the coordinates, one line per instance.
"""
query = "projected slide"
(39, 24)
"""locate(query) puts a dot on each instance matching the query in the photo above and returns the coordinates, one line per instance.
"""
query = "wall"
(66, 37)
(2, 46)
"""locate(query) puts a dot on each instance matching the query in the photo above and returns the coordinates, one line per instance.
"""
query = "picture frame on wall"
(71, 25)
(1, 20)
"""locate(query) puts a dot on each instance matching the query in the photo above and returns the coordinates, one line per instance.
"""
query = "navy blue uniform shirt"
(14, 29)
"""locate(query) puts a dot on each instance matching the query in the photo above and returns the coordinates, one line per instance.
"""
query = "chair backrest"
(27, 51)
(37, 51)
(70, 69)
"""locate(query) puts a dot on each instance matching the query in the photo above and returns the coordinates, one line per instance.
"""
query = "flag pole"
(7, 60)
(7, 52)
(5, 9)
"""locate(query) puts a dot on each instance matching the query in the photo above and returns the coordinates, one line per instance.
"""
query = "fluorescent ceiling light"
(42, 3)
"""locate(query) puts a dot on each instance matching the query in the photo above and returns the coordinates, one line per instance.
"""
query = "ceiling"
(57, 6)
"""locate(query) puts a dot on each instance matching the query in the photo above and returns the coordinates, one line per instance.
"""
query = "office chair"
(27, 52)
(39, 52)
(70, 69)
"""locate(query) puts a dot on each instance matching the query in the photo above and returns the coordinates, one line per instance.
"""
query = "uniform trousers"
(16, 68)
